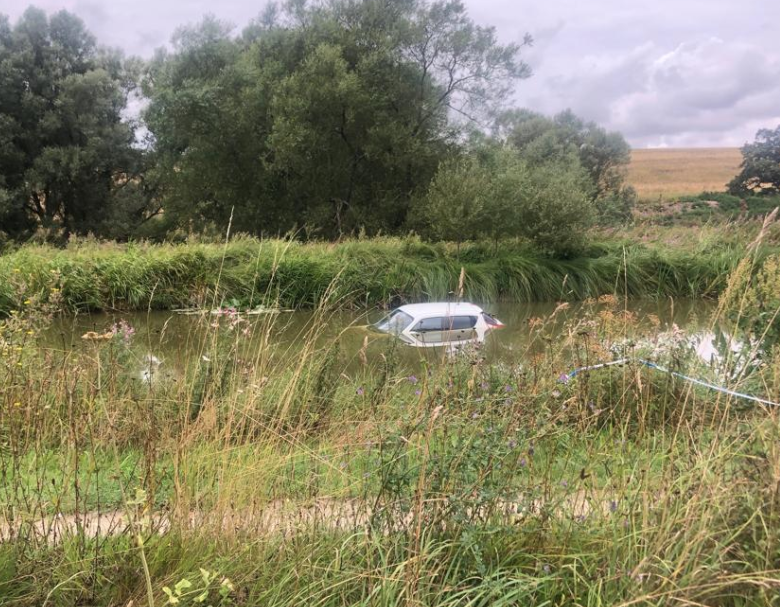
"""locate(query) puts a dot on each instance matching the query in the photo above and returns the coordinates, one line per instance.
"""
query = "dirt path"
(275, 517)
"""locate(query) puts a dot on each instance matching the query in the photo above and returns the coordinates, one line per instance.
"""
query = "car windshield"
(395, 322)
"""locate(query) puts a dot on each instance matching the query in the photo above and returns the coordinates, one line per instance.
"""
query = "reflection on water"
(168, 340)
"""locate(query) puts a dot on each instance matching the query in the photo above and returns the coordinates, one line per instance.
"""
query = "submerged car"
(439, 324)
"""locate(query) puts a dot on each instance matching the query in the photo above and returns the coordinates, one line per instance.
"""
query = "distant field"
(668, 173)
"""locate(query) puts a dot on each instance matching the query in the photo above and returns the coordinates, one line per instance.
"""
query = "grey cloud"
(670, 72)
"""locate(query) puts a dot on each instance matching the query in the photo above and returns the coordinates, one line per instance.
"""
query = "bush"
(499, 195)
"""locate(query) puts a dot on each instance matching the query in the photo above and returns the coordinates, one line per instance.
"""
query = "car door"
(460, 328)
(429, 331)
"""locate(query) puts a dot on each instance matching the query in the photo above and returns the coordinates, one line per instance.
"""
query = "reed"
(378, 272)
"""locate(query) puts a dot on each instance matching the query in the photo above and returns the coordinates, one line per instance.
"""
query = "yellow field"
(665, 173)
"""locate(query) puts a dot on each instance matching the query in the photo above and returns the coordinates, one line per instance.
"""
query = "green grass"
(383, 271)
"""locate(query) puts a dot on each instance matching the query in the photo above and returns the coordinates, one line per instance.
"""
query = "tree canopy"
(760, 168)
(324, 117)
(65, 150)
(567, 138)
(327, 115)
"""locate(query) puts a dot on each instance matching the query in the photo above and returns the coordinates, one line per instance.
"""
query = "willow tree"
(330, 115)
(65, 149)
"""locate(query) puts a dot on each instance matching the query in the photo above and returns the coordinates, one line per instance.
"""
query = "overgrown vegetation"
(375, 272)
(280, 475)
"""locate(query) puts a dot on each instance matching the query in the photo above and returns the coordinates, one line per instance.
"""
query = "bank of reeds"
(375, 272)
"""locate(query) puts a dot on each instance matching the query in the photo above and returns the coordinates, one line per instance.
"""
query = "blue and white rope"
(692, 380)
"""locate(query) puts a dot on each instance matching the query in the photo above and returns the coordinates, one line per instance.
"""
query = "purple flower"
(417, 392)
(512, 444)
(613, 506)
(523, 462)
(360, 391)
(412, 379)
(507, 388)
(564, 484)
(563, 378)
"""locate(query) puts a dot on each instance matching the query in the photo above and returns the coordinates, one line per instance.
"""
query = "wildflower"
(523, 462)
(417, 392)
(613, 506)
(546, 568)
(512, 444)
(564, 484)
(563, 378)
(507, 388)
(484, 385)
(17, 404)
(27, 302)
(412, 379)
(531, 450)
(555, 393)
(360, 391)
(16, 270)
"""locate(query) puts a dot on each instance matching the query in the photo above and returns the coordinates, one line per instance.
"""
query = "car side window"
(458, 323)
(430, 324)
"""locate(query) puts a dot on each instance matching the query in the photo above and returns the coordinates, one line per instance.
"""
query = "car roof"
(444, 308)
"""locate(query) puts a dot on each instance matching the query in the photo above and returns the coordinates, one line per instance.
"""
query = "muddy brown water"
(173, 339)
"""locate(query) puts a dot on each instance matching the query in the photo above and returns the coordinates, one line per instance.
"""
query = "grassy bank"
(283, 478)
(248, 272)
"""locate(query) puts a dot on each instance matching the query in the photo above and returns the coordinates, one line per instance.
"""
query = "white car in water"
(439, 324)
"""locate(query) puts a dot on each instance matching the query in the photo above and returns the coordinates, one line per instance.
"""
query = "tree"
(603, 155)
(331, 115)
(760, 166)
(65, 149)
(454, 206)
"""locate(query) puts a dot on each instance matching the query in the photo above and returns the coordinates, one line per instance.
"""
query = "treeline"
(331, 119)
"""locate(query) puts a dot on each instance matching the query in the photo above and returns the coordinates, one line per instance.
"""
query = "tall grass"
(385, 271)
(280, 475)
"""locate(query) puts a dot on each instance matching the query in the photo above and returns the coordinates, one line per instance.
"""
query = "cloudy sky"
(665, 73)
